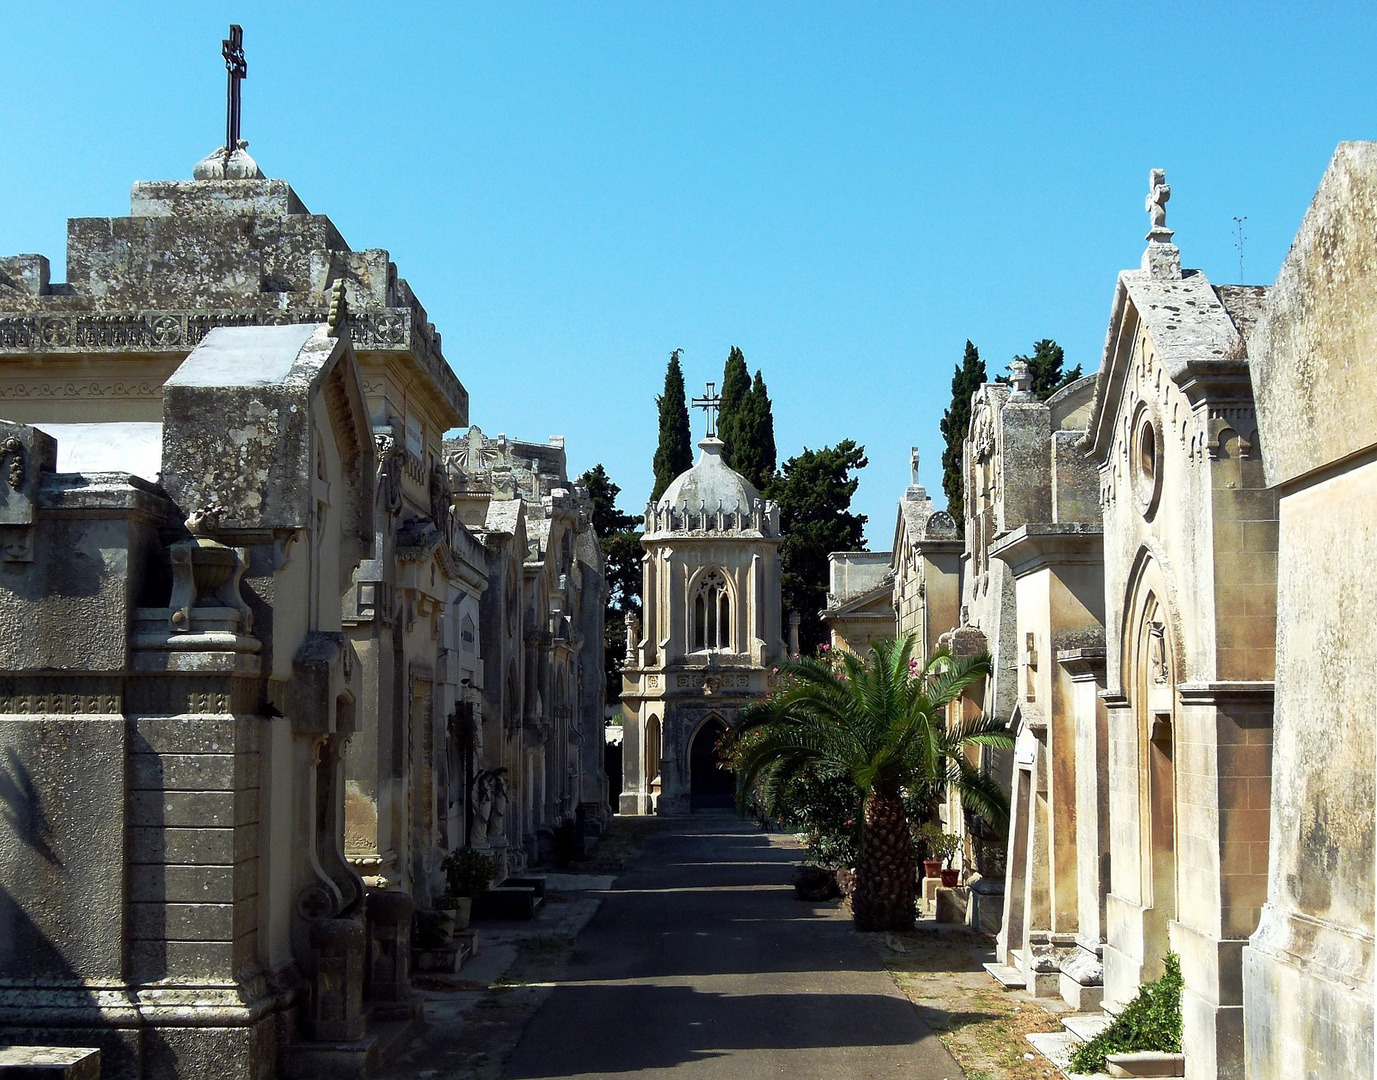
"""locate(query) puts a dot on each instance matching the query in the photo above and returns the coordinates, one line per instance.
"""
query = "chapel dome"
(710, 486)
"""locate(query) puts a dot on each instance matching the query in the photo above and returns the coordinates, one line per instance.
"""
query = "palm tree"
(881, 723)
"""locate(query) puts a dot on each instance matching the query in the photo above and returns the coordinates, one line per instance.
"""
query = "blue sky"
(846, 191)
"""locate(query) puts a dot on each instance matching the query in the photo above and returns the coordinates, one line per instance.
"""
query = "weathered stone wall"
(1309, 966)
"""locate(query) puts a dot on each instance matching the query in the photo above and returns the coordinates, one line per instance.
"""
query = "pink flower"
(827, 648)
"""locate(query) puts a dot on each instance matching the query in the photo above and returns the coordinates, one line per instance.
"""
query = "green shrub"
(468, 872)
(1151, 1021)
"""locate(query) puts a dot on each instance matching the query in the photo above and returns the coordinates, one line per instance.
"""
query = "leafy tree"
(814, 493)
(881, 724)
(621, 556)
(675, 451)
(607, 518)
(1045, 366)
(966, 379)
(736, 385)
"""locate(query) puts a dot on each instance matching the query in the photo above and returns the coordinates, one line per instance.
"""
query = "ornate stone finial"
(913, 465)
(1021, 378)
(1162, 259)
(338, 319)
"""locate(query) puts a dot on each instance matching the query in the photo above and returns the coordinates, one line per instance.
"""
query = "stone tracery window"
(711, 621)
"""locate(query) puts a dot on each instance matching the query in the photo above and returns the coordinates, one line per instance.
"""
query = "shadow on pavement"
(691, 1025)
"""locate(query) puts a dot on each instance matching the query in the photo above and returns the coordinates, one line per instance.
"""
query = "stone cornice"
(61, 333)
(1037, 545)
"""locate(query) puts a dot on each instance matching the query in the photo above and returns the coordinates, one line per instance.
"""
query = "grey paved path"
(701, 963)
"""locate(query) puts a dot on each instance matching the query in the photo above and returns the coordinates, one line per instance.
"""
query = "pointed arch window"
(711, 623)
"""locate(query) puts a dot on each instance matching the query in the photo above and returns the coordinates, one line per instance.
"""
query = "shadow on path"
(701, 961)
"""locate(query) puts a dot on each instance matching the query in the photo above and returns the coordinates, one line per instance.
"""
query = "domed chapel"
(711, 640)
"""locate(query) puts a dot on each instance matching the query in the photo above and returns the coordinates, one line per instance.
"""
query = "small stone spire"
(1162, 259)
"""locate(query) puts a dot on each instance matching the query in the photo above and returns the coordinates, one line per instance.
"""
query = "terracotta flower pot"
(950, 878)
(932, 867)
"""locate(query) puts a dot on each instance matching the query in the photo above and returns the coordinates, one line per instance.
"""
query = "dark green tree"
(756, 430)
(746, 422)
(621, 556)
(966, 379)
(814, 493)
(1045, 366)
(736, 388)
(675, 451)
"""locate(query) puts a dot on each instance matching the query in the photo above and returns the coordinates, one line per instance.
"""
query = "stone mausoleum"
(243, 681)
(711, 638)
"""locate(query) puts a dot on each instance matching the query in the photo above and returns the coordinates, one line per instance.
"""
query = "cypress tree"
(675, 452)
(736, 388)
(758, 419)
(966, 380)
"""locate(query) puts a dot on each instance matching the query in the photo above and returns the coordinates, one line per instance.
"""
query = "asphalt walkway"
(702, 963)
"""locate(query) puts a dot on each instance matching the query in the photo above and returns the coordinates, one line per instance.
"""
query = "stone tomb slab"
(49, 1063)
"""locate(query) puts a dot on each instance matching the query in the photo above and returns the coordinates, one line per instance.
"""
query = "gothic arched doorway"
(1151, 681)
(711, 785)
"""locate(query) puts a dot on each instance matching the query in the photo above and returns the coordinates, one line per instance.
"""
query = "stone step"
(1057, 1047)
(1085, 1026)
(1008, 977)
(1147, 1063)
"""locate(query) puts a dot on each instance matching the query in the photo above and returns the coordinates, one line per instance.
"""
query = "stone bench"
(49, 1063)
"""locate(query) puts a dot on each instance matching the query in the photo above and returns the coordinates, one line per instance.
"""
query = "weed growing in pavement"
(1151, 1021)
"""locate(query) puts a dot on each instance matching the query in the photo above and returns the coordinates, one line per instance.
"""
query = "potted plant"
(945, 847)
(467, 873)
(929, 836)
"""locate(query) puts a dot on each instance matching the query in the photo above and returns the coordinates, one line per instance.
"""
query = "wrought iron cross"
(709, 403)
(238, 70)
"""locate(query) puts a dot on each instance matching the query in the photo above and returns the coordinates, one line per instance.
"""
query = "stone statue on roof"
(1159, 191)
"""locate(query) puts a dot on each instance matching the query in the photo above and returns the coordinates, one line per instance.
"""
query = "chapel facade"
(711, 639)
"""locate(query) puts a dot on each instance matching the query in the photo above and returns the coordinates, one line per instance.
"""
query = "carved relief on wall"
(713, 682)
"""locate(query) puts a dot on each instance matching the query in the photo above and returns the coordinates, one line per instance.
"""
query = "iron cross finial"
(709, 403)
(237, 67)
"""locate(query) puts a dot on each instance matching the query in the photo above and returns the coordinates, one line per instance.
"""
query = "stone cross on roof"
(913, 464)
(237, 69)
(709, 403)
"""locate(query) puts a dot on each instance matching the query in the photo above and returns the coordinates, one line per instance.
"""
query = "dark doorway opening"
(711, 786)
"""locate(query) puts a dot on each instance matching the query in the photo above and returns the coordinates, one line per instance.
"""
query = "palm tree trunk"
(884, 894)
